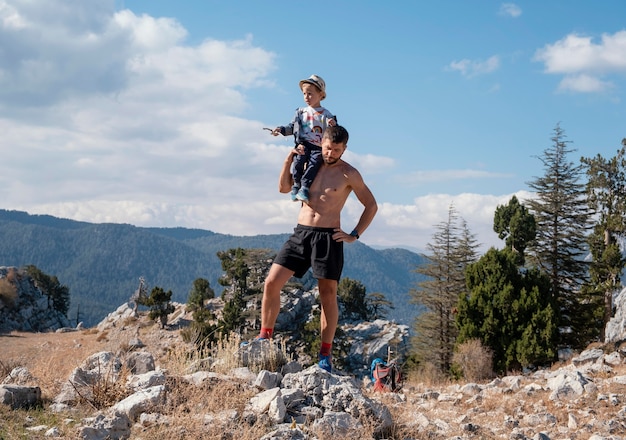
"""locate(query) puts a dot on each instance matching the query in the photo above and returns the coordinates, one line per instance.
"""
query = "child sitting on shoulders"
(307, 127)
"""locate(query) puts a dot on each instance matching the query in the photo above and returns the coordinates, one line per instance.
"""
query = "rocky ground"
(182, 396)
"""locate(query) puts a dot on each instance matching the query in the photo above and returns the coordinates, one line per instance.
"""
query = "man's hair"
(336, 134)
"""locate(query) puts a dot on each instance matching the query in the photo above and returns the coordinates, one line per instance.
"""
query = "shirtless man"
(317, 240)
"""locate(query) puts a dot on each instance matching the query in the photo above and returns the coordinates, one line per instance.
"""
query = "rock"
(137, 403)
(115, 426)
(18, 376)
(97, 367)
(140, 362)
(27, 309)
(116, 317)
(143, 381)
(266, 379)
(587, 357)
(567, 385)
(261, 402)
(20, 396)
(336, 424)
(615, 329)
(371, 340)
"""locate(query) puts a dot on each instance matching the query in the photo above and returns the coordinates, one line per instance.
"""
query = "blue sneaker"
(303, 195)
(324, 363)
(294, 193)
(246, 343)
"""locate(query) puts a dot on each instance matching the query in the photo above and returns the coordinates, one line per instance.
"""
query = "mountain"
(101, 262)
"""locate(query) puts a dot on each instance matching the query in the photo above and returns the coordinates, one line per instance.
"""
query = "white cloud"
(414, 224)
(226, 216)
(472, 68)
(409, 226)
(167, 128)
(510, 9)
(584, 83)
(111, 117)
(583, 62)
(369, 163)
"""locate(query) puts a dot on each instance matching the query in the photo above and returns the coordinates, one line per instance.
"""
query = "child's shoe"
(303, 195)
(294, 193)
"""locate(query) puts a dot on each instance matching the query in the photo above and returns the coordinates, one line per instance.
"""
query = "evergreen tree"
(202, 330)
(351, 295)
(259, 262)
(160, 305)
(50, 286)
(514, 224)
(606, 195)
(508, 310)
(236, 271)
(451, 251)
(235, 278)
(200, 292)
(378, 304)
(244, 273)
(562, 219)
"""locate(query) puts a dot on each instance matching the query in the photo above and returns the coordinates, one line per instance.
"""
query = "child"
(307, 127)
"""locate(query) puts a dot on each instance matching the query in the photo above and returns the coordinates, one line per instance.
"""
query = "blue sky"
(150, 112)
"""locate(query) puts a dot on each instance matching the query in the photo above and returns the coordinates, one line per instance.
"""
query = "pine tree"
(450, 252)
(606, 195)
(351, 296)
(516, 225)
(160, 305)
(202, 330)
(200, 292)
(378, 305)
(508, 310)
(235, 278)
(562, 220)
(50, 286)
(244, 273)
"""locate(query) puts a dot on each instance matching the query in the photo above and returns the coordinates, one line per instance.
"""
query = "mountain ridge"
(101, 262)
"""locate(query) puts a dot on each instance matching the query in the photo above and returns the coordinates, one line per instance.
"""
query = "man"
(317, 240)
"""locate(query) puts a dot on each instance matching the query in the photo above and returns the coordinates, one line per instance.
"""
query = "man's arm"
(370, 207)
(365, 196)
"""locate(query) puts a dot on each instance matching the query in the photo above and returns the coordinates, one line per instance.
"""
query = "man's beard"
(330, 160)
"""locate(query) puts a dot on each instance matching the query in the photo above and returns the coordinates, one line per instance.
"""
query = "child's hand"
(299, 149)
(275, 131)
(332, 122)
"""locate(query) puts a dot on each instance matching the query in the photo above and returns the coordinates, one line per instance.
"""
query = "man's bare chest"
(330, 184)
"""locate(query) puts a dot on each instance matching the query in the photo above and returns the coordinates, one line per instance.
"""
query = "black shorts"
(311, 247)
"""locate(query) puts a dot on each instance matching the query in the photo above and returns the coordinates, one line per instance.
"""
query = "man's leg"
(328, 318)
(270, 307)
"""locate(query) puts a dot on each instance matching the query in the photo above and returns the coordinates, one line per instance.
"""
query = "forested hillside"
(101, 263)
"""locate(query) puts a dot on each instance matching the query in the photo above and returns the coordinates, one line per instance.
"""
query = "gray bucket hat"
(317, 81)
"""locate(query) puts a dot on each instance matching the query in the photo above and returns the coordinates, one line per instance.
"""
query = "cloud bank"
(586, 66)
(109, 116)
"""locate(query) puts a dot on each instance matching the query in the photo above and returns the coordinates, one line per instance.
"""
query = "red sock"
(266, 333)
(325, 349)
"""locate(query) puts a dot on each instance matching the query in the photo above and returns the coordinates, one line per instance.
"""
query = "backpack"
(386, 376)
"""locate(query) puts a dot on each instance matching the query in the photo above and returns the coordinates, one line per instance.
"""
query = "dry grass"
(14, 424)
(210, 411)
(215, 410)
(474, 360)
(427, 375)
